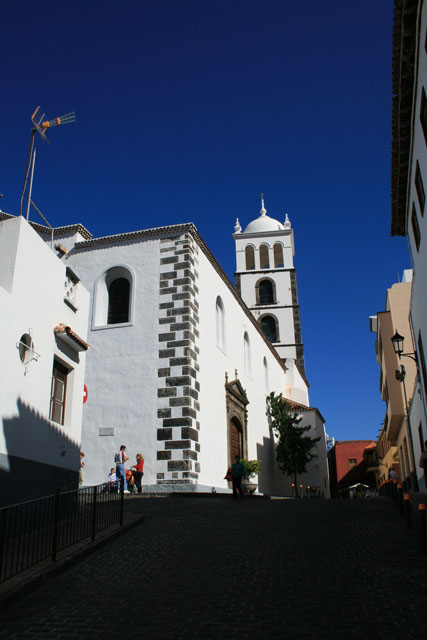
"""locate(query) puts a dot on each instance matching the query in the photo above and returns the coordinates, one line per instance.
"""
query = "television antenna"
(41, 126)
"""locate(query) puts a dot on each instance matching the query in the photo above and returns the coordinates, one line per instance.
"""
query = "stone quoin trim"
(177, 404)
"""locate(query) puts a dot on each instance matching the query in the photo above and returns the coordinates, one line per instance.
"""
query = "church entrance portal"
(237, 419)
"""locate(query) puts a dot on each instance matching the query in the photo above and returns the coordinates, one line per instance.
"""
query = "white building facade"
(43, 325)
(180, 371)
(409, 183)
(179, 368)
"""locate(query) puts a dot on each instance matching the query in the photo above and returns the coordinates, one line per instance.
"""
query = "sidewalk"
(30, 578)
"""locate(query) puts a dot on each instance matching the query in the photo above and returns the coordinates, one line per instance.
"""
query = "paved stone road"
(250, 569)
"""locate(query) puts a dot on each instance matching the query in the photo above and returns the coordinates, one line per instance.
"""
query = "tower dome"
(263, 223)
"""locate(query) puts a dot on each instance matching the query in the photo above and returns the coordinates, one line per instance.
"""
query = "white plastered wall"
(214, 364)
(419, 258)
(32, 301)
(121, 373)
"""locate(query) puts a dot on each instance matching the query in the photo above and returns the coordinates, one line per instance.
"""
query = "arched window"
(278, 255)
(247, 354)
(113, 297)
(270, 328)
(266, 292)
(264, 260)
(266, 381)
(250, 257)
(118, 301)
(220, 324)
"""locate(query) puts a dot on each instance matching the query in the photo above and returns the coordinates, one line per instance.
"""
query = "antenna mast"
(41, 126)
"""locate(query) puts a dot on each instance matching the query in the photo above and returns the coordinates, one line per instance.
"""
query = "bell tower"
(266, 280)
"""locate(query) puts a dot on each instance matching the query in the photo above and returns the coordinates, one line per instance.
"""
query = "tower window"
(250, 258)
(278, 255)
(118, 301)
(114, 297)
(269, 326)
(266, 292)
(264, 259)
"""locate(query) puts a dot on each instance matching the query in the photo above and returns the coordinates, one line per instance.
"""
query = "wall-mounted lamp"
(397, 341)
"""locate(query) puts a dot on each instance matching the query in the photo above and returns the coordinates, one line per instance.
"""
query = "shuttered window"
(58, 393)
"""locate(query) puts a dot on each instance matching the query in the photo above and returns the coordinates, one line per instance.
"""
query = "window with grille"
(420, 188)
(422, 362)
(415, 228)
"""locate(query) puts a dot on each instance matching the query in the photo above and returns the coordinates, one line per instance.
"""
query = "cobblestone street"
(250, 569)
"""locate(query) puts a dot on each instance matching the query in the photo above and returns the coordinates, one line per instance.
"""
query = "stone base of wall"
(182, 488)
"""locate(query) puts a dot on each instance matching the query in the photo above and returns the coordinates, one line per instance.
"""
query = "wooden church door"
(236, 438)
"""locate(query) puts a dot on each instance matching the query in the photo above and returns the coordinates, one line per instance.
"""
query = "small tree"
(293, 449)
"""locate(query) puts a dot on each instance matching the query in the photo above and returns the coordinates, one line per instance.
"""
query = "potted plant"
(252, 468)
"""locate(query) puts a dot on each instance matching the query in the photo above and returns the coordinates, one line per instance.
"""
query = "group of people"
(119, 474)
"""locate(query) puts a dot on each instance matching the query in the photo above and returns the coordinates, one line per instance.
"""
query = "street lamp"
(397, 341)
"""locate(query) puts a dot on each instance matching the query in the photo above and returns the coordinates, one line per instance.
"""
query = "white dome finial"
(287, 223)
(237, 227)
(263, 210)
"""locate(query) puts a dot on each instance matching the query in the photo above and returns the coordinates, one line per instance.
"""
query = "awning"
(70, 338)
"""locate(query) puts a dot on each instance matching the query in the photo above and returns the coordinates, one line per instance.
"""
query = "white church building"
(181, 361)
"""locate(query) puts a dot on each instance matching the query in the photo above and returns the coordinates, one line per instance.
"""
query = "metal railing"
(38, 529)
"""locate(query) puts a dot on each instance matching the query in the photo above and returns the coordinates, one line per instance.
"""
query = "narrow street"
(249, 569)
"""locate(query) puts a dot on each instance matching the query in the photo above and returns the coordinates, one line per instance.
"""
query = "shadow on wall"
(271, 481)
(40, 458)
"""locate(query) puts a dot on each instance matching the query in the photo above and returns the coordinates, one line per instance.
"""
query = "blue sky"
(187, 110)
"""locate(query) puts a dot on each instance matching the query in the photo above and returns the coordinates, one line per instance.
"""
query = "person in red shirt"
(138, 471)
